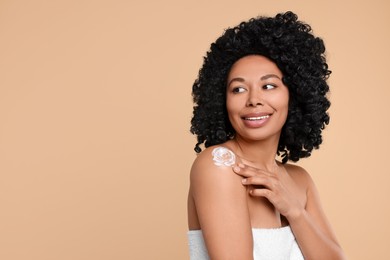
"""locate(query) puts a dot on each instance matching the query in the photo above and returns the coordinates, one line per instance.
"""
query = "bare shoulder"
(215, 159)
(299, 175)
(212, 172)
(295, 169)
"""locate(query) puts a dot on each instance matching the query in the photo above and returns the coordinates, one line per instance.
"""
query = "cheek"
(284, 99)
(280, 102)
(233, 110)
(285, 106)
(232, 105)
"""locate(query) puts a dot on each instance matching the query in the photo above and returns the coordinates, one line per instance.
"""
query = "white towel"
(268, 244)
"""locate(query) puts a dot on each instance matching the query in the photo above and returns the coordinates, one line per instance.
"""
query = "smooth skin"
(258, 192)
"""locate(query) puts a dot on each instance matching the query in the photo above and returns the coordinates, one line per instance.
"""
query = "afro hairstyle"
(299, 55)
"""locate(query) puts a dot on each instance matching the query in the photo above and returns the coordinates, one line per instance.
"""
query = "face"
(256, 98)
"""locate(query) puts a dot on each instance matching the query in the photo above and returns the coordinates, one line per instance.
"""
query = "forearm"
(313, 242)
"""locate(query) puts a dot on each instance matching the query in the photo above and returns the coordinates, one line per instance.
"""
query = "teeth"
(256, 118)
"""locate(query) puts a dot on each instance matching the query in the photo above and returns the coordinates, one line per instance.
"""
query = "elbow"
(336, 254)
(341, 255)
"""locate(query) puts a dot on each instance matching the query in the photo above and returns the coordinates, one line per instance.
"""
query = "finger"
(243, 170)
(264, 192)
(256, 180)
(236, 169)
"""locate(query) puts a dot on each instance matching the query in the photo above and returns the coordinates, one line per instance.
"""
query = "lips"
(255, 120)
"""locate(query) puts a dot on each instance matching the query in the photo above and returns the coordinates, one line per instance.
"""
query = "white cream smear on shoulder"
(223, 157)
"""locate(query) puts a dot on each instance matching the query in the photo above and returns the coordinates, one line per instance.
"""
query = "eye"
(238, 90)
(269, 86)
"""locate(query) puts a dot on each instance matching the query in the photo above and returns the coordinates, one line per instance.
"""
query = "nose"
(254, 99)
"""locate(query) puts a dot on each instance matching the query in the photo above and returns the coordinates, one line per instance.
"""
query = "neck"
(260, 153)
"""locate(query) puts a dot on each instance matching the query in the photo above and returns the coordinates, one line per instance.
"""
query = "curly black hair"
(298, 54)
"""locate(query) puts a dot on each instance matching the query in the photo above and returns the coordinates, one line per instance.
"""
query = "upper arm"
(314, 208)
(221, 205)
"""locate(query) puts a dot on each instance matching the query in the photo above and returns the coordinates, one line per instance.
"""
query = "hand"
(278, 187)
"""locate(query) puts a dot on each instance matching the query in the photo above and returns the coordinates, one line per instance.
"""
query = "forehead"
(253, 65)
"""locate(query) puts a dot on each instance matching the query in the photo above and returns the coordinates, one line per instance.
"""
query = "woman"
(260, 93)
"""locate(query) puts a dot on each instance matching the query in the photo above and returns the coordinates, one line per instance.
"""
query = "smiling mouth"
(256, 118)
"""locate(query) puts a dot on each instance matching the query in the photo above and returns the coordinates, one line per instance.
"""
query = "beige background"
(94, 115)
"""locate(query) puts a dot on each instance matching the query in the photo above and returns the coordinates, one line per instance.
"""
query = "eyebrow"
(267, 76)
(270, 76)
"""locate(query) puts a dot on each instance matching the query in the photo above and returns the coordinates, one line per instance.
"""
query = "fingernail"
(236, 168)
(243, 180)
(241, 165)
